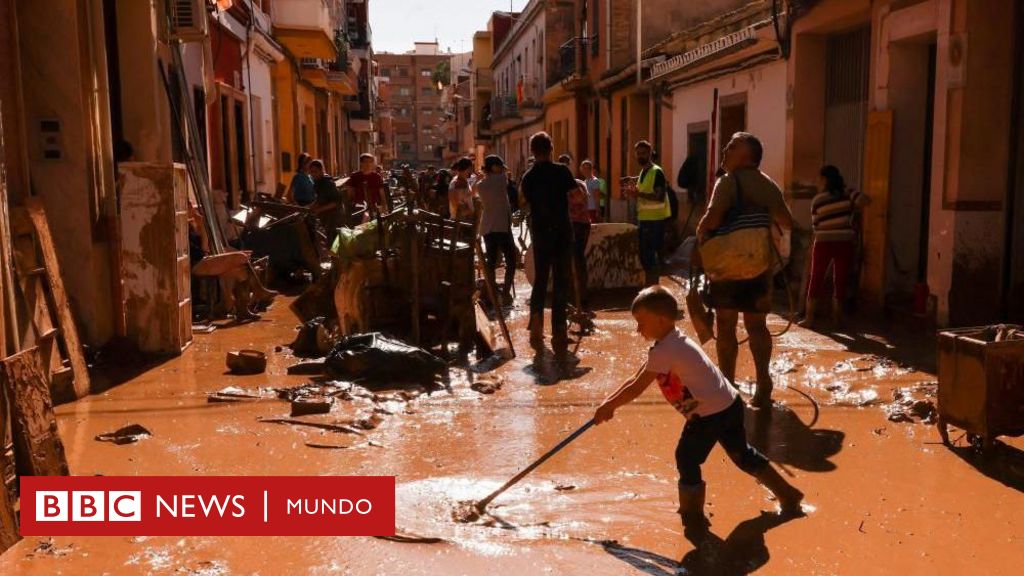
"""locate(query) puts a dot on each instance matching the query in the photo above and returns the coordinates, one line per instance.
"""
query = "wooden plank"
(9, 534)
(37, 445)
(66, 321)
(877, 167)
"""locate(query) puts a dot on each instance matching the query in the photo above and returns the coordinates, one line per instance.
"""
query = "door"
(846, 101)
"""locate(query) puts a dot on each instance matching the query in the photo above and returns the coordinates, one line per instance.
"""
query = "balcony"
(503, 107)
(572, 61)
(341, 82)
(304, 28)
(313, 71)
(483, 79)
(360, 36)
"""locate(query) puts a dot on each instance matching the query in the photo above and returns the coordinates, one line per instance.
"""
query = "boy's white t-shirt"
(688, 379)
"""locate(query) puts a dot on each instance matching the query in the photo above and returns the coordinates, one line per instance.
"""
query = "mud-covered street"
(882, 497)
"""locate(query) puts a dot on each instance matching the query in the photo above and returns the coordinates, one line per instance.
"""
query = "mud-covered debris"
(305, 405)
(565, 487)
(369, 423)
(49, 548)
(343, 428)
(906, 406)
(411, 539)
(314, 340)
(236, 394)
(334, 389)
(377, 358)
(127, 435)
(313, 368)
(487, 384)
(246, 362)
(1002, 333)
(326, 446)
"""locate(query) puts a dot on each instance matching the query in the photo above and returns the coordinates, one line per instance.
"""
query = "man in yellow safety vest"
(652, 209)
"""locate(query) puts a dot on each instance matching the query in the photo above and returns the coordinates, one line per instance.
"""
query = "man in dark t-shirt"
(545, 187)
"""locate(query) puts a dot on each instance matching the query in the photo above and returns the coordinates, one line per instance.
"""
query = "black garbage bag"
(376, 357)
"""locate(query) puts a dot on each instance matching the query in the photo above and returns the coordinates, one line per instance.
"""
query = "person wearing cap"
(496, 222)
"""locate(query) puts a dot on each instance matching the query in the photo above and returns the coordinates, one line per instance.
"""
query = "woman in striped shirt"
(833, 213)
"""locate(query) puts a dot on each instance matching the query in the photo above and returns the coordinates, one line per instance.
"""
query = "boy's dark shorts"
(700, 435)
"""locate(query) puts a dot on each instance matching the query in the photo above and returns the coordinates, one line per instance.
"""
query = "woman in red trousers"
(833, 218)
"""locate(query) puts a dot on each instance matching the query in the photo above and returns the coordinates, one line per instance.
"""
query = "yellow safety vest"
(648, 210)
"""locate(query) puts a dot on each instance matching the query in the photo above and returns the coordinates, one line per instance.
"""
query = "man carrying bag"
(737, 256)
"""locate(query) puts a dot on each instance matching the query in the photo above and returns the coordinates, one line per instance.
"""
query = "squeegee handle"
(515, 479)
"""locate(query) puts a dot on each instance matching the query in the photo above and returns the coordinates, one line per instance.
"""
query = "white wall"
(261, 86)
(765, 87)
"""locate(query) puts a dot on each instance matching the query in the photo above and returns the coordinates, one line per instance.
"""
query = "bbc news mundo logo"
(208, 506)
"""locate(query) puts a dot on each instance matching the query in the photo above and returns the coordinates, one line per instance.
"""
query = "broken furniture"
(981, 383)
(289, 239)
(155, 266)
(409, 272)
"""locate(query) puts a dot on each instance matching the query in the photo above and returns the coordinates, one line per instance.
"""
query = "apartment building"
(415, 101)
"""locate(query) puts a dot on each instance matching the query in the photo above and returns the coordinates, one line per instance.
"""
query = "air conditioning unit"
(188, 19)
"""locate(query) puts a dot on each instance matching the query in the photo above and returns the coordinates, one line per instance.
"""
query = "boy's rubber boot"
(691, 509)
(788, 496)
(537, 332)
(808, 321)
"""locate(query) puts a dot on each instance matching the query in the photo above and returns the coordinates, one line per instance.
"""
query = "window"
(403, 72)
(385, 72)
(426, 72)
(404, 92)
(428, 148)
(405, 147)
(426, 91)
(403, 111)
(428, 112)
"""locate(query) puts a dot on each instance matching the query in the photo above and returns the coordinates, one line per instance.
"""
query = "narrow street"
(876, 489)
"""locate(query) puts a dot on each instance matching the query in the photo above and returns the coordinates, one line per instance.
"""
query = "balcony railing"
(567, 59)
(503, 107)
(360, 36)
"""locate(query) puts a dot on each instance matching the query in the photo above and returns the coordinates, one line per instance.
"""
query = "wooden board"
(68, 330)
(8, 519)
(33, 425)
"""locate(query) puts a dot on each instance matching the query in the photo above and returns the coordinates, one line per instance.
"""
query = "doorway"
(732, 116)
(912, 100)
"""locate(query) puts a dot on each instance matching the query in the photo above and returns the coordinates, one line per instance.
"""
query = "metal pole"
(639, 40)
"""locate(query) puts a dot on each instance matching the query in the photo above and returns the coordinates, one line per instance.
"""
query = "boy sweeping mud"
(713, 410)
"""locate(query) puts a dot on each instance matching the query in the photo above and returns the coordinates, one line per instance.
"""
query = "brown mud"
(883, 497)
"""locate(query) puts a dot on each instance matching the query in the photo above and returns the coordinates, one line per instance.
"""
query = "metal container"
(981, 384)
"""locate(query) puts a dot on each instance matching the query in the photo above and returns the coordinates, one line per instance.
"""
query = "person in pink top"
(695, 387)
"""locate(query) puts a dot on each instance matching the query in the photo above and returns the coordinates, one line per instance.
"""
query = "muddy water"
(885, 498)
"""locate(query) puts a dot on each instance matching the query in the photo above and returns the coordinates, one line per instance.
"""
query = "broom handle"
(515, 479)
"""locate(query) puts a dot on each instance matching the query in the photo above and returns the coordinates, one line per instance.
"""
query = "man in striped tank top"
(833, 218)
